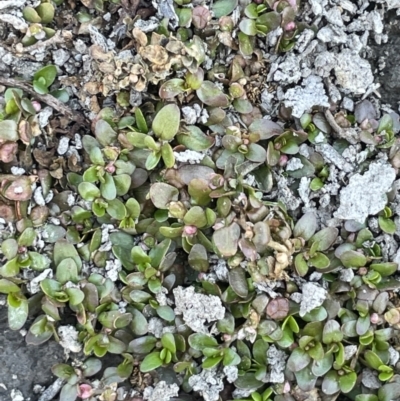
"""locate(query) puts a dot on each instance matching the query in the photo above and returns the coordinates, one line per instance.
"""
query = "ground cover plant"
(158, 205)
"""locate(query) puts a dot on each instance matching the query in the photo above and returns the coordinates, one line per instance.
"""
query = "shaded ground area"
(387, 55)
(21, 365)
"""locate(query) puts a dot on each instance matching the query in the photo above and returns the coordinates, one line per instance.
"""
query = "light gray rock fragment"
(366, 194)
(332, 34)
(303, 98)
(277, 362)
(161, 392)
(331, 155)
(353, 73)
(197, 309)
(313, 297)
(208, 383)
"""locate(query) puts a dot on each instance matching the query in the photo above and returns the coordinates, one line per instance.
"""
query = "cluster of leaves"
(142, 223)
(39, 18)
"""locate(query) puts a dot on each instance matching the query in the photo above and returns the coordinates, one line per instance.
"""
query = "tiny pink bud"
(227, 337)
(290, 26)
(36, 105)
(283, 160)
(286, 388)
(375, 318)
(110, 168)
(190, 230)
(85, 391)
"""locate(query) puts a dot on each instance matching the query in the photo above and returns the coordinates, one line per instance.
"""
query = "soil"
(22, 366)
(390, 52)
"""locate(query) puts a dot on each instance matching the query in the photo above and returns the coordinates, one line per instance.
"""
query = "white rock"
(208, 383)
(34, 285)
(69, 338)
(161, 392)
(294, 164)
(366, 194)
(197, 309)
(313, 297)
(113, 267)
(303, 98)
(277, 362)
(189, 156)
(231, 373)
(16, 395)
(352, 72)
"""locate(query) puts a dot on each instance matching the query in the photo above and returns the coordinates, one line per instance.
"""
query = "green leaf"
(347, 382)
(104, 133)
(142, 345)
(46, 13)
(248, 26)
(238, 282)
(226, 240)
(167, 155)
(9, 247)
(211, 95)
(40, 87)
(210, 362)
(256, 153)
(195, 139)
(385, 269)
(141, 121)
(122, 183)
(387, 225)
(372, 359)
(107, 188)
(321, 367)
(171, 88)
(168, 342)
(330, 384)
(67, 271)
(319, 261)
(325, 238)
(7, 286)
(222, 8)
(162, 194)
(199, 341)
(353, 259)
(88, 191)
(389, 392)
(166, 312)
(17, 310)
(166, 122)
(64, 250)
(10, 269)
(230, 357)
(305, 226)
(301, 265)
(298, 360)
(116, 209)
(48, 73)
(332, 333)
(151, 362)
(198, 258)
(63, 371)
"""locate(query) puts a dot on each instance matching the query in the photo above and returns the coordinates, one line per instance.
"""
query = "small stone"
(208, 383)
(197, 309)
(303, 98)
(294, 164)
(63, 145)
(366, 194)
(313, 297)
(277, 362)
(69, 339)
(352, 72)
(161, 392)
